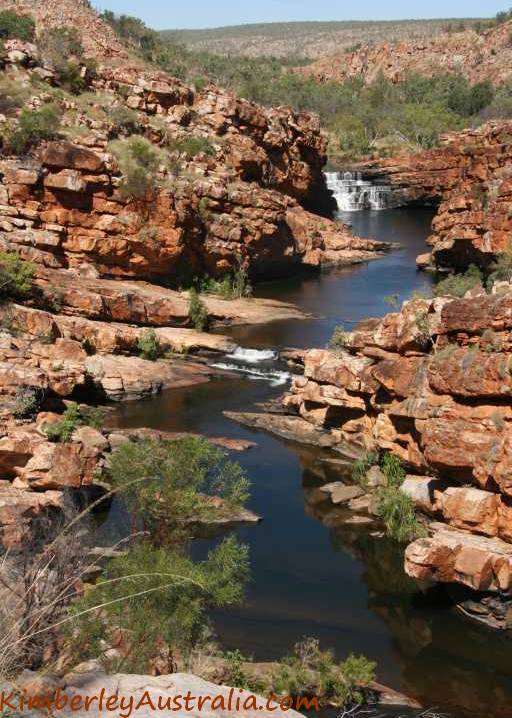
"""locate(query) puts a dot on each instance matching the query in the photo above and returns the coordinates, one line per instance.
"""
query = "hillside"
(305, 39)
(479, 56)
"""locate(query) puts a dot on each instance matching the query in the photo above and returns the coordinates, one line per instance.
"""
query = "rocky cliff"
(431, 384)
(468, 176)
(485, 56)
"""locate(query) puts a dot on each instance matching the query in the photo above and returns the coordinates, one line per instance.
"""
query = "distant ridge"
(309, 39)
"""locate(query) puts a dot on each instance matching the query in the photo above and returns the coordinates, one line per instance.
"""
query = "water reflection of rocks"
(468, 667)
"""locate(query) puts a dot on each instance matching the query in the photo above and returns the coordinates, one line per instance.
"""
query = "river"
(343, 586)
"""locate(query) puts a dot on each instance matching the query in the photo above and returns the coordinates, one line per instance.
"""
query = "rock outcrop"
(484, 56)
(431, 383)
(468, 175)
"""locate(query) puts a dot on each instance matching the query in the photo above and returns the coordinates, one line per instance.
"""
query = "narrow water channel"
(342, 585)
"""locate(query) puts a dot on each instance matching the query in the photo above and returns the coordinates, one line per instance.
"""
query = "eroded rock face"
(477, 56)
(432, 384)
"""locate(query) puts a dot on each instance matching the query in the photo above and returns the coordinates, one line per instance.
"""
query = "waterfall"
(353, 193)
(256, 364)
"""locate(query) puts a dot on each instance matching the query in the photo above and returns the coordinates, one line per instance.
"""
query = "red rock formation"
(477, 56)
(432, 384)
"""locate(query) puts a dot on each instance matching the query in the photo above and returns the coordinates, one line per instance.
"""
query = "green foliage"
(233, 286)
(158, 596)
(395, 507)
(70, 77)
(16, 276)
(34, 126)
(361, 467)
(233, 671)
(124, 121)
(181, 474)
(358, 116)
(339, 337)
(392, 300)
(72, 418)
(60, 46)
(397, 511)
(501, 269)
(191, 146)
(148, 345)
(458, 284)
(139, 161)
(13, 25)
(62, 430)
(393, 470)
(27, 401)
(313, 671)
(197, 311)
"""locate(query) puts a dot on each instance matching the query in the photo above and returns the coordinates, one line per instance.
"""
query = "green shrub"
(361, 467)
(176, 471)
(16, 276)
(393, 469)
(192, 146)
(197, 311)
(157, 597)
(397, 511)
(458, 284)
(501, 268)
(94, 416)
(339, 338)
(233, 671)
(27, 401)
(61, 45)
(235, 286)
(34, 126)
(313, 671)
(148, 345)
(13, 25)
(139, 161)
(71, 78)
(62, 430)
(123, 120)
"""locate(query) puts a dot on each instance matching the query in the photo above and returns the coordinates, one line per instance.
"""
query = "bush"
(123, 120)
(148, 345)
(139, 161)
(62, 431)
(312, 671)
(71, 78)
(34, 126)
(16, 276)
(458, 284)
(197, 311)
(501, 268)
(191, 146)
(361, 467)
(393, 470)
(181, 473)
(155, 598)
(61, 45)
(339, 338)
(234, 286)
(13, 25)
(397, 511)
(27, 401)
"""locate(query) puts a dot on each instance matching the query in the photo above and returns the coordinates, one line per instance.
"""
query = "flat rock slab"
(341, 493)
(294, 428)
(163, 687)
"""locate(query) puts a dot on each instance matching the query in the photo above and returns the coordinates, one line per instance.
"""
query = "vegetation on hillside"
(360, 118)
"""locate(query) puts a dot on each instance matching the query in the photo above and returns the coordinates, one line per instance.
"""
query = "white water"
(252, 356)
(276, 378)
(354, 194)
(245, 360)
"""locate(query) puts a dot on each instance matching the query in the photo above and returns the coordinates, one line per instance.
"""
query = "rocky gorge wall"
(432, 384)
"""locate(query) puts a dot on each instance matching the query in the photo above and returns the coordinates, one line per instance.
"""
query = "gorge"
(176, 254)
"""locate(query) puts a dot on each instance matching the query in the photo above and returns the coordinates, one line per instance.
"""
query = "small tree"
(16, 276)
(148, 345)
(14, 25)
(167, 483)
(197, 311)
(34, 126)
(139, 161)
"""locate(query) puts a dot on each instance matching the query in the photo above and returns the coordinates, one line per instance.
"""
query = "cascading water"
(354, 194)
(256, 364)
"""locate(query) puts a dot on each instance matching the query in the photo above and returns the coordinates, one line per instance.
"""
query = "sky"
(168, 14)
